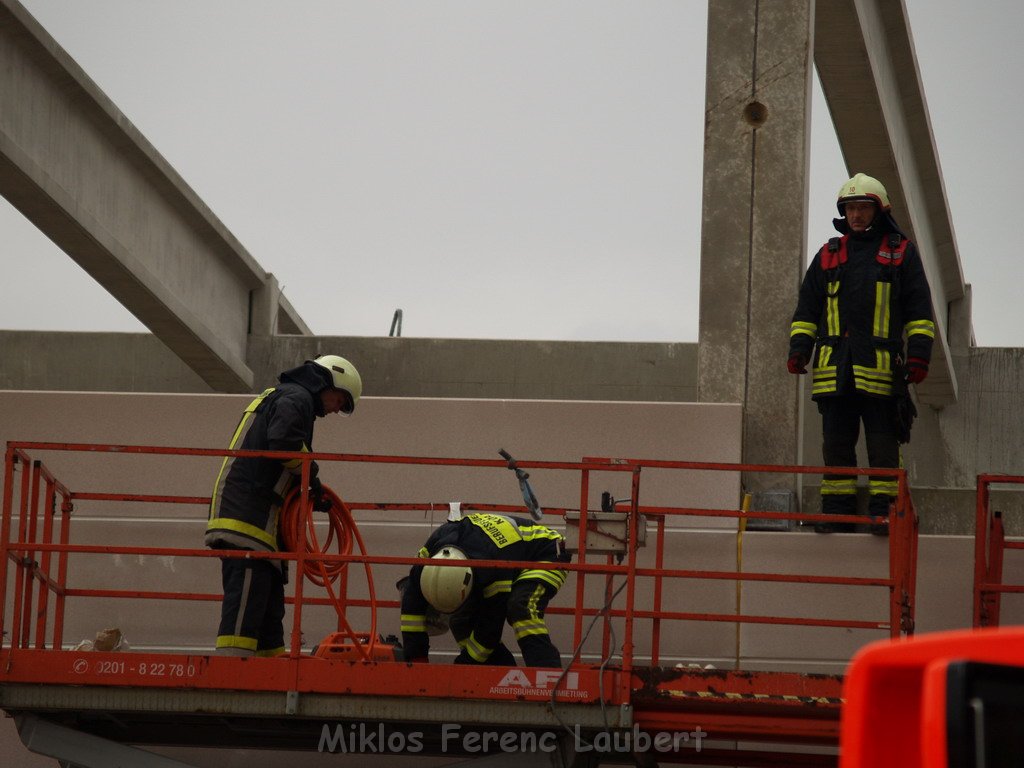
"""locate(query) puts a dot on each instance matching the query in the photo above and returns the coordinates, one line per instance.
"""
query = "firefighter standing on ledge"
(861, 293)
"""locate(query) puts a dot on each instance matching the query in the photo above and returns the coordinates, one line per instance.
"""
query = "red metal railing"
(33, 503)
(989, 546)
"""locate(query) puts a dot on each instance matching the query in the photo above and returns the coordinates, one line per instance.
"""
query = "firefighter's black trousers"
(462, 624)
(524, 606)
(841, 417)
(252, 613)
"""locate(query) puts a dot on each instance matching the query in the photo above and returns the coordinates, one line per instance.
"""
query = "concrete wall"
(390, 367)
(93, 362)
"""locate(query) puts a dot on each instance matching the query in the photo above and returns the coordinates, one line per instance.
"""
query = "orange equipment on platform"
(340, 646)
(299, 534)
(924, 702)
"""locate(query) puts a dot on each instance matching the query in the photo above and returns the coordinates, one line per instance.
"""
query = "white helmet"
(862, 187)
(437, 622)
(344, 377)
(447, 587)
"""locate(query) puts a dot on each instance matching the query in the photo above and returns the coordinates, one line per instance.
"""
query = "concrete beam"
(270, 313)
(753, 234)
(864, 54)
(74, 165)
(496, 368)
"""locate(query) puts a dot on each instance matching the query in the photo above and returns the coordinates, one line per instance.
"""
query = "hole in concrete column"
(755, 113)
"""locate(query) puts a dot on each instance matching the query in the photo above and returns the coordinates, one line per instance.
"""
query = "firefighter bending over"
(480, 599)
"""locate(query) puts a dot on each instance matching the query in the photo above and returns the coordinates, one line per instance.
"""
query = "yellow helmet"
(446, 587)
(437, 622)
(863, 187)
(344, 376)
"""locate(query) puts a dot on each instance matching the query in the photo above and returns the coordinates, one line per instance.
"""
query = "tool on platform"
(524, 485)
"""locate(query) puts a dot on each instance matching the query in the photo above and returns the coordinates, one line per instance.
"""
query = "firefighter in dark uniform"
(246, 504)
(862, 292)
(481, 599)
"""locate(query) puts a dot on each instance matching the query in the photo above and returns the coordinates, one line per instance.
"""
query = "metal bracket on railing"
(291, 703)
(906, 616)
(607, 532)
(625, 715)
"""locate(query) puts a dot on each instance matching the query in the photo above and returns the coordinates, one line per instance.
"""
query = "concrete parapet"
(942, 511)
(391, 367)
(92, 362)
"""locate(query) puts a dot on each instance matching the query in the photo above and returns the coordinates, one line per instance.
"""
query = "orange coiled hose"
(298, 529)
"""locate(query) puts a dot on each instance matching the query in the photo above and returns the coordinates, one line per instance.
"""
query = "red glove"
(797, 363)
(917, 369)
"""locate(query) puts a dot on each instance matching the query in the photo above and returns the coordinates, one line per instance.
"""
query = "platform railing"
(990, 544)
(33, 501)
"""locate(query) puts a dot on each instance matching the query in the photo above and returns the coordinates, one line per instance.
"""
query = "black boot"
(831, 527)
(879, 509)
(837, 505)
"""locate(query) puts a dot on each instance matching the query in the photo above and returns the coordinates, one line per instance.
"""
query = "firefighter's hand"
(917, 369)
(797, 363)
(321, 502)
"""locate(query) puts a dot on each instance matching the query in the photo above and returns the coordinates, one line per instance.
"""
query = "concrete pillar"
(753, 237)
(959, 326)
(263, 308)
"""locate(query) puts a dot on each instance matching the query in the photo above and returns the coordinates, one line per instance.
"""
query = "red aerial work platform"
(628, 707)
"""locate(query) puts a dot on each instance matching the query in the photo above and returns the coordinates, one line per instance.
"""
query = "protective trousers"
(526, 603)
(252, 613)
(841, 417)
(480, 646)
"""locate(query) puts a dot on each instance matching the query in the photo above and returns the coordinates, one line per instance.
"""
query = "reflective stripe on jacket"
(858, 297)
(248, 493)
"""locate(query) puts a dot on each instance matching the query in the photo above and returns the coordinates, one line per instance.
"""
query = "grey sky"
(495, 169)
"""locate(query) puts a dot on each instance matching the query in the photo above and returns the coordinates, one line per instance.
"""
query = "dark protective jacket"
(861, 293)
(247, 496)
(482, 537)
